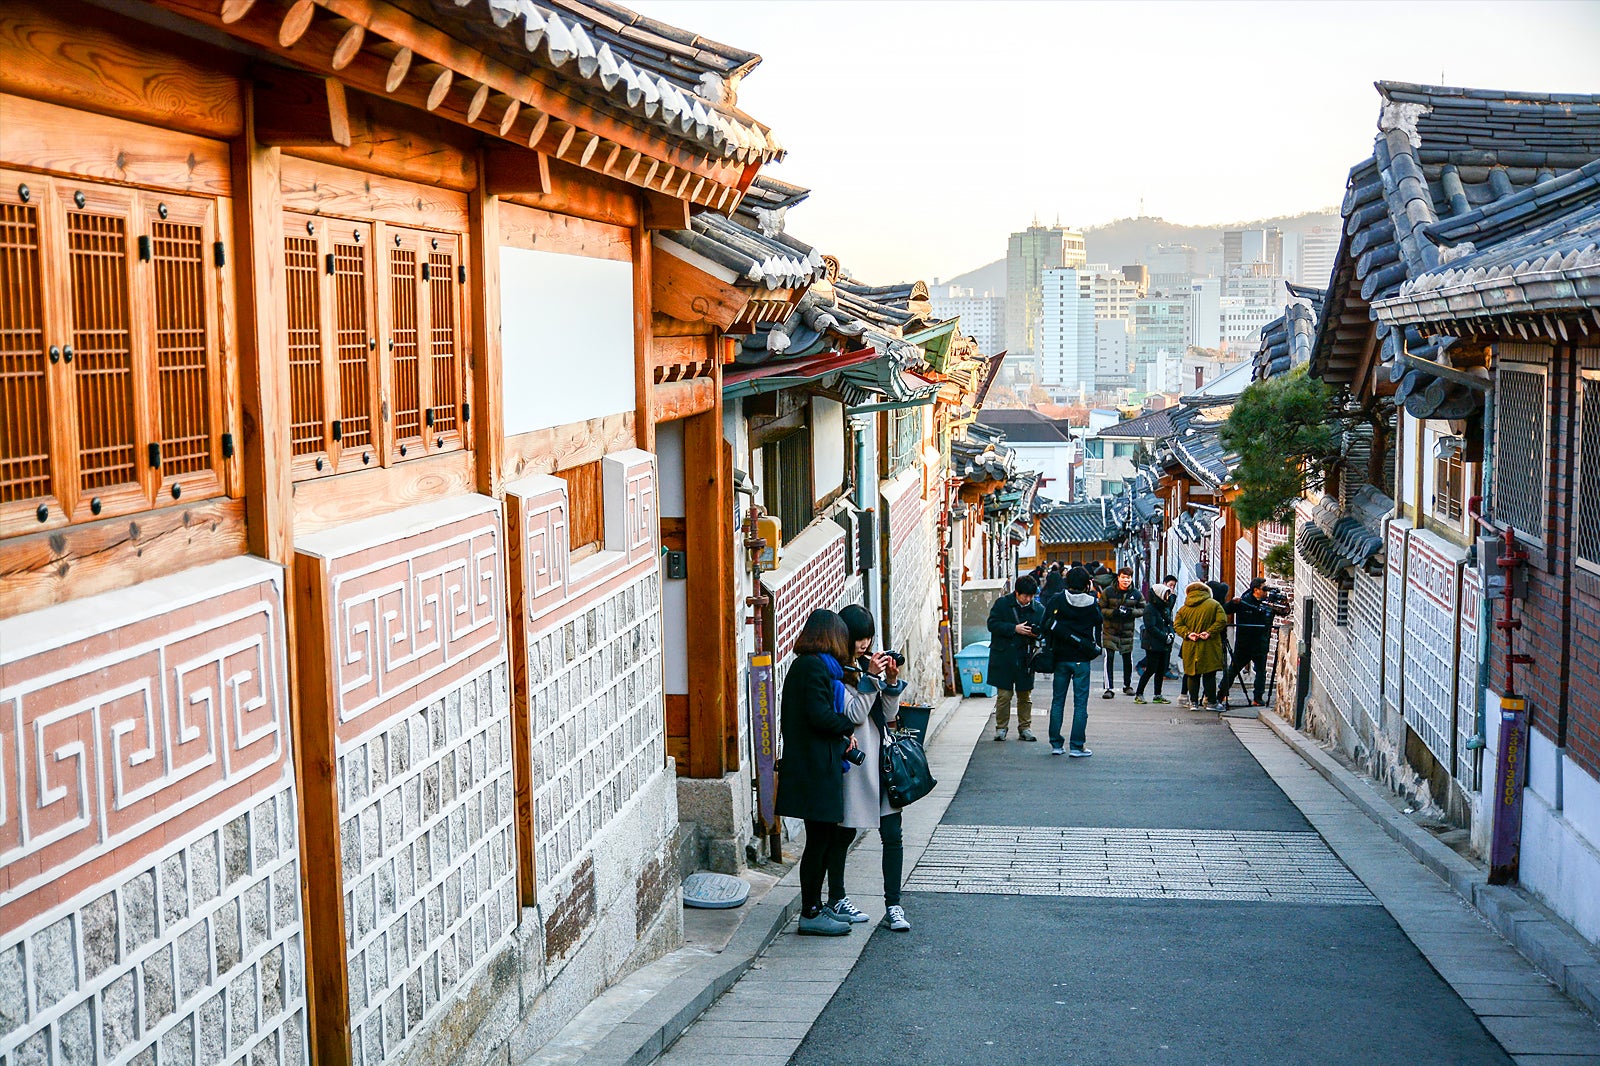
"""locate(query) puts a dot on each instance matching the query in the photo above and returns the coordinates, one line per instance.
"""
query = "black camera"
(898, 657)
(856, 756)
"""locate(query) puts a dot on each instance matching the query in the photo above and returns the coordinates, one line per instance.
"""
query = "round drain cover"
(714, 891)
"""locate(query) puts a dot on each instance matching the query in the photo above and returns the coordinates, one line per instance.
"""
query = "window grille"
(353, 343)
(1519, 460)
(586, 520)
(97, 249)
(24, 390)
(308, 411)
(375, 336)
(403, 329)
(1587, 546)
(786, 477)
(111, 388)
(905, 438)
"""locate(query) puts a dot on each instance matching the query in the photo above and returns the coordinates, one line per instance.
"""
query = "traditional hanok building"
(1074, 534)
(1472, 372)
(331, 638)
(1516, 288)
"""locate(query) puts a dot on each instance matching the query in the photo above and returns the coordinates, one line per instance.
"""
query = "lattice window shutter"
(308, 404)
(446, 343)
(189, 415)
(27, 488)
(405, 341)
(114, 464)
(354, 345)
(1520, 429)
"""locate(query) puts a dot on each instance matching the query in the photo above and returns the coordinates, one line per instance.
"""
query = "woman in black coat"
(816, 735)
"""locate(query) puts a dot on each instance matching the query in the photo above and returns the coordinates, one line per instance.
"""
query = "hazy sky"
(929, 130)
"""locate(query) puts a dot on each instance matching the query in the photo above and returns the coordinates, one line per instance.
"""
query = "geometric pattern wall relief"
(149, 882)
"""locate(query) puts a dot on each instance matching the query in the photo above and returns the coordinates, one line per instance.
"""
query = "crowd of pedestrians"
(1061, 621)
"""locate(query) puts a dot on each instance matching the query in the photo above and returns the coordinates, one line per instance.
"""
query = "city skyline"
(931, 123)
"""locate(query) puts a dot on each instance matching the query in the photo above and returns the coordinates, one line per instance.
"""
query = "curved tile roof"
(680, 83)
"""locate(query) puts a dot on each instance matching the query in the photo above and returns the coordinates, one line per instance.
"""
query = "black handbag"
(906, 777)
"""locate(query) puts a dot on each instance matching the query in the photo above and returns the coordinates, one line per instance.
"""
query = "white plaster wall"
(675, 592)
(828, 442)
(566, 328)
(1561, 836)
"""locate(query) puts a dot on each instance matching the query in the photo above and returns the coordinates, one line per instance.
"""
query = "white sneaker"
(895, 919)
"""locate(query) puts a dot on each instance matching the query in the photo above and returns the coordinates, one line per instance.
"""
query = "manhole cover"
(714, 891)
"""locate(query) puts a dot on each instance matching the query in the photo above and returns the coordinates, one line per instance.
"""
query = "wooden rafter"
(379, 49)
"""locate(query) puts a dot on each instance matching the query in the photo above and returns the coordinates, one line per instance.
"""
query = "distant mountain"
(990, 277)
(1129, 240)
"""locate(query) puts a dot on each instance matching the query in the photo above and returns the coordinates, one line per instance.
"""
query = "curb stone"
(648, 1031)
(1543, 939)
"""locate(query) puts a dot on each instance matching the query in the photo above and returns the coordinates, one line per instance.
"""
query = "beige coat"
(864, 801)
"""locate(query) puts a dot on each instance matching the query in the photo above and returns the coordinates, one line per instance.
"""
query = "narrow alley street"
(1193, 893)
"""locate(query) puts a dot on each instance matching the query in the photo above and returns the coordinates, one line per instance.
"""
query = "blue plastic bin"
(972, 663)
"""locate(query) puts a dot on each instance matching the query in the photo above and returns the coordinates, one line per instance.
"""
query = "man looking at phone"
(1015, 625)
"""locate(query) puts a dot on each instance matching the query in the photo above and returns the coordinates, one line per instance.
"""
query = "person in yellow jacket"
(1199, 624)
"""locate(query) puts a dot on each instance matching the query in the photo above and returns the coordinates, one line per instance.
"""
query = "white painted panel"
(669, 460)
(675, 632)
(566, 331)
(827, 444)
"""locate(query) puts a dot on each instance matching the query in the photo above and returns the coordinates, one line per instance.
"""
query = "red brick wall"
(1565, 644)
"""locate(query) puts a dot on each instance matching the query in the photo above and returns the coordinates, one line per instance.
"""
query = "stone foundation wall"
(149, 875)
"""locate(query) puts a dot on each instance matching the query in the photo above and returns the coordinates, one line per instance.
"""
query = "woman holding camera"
(817, 733)
(865, 804)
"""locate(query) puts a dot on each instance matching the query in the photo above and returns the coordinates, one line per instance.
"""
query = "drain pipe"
(1480, 732)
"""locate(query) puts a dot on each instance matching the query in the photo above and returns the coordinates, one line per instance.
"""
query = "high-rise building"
(1066, 353)
(1114, 294)
(1028, 254)
(1246, 247)
(1318, 248)
(1241, 322)
(983, 315)
(1112, 337)
(1205, 311)
(1160, 324)
(1172, 266)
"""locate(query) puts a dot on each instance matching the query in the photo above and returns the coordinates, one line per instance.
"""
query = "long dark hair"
(824, 634)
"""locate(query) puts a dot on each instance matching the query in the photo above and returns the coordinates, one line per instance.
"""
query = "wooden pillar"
(644, 426)
(265, 458)
(483, 288)
(708, 534)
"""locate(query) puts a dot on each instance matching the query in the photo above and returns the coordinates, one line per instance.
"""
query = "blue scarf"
(836, 672)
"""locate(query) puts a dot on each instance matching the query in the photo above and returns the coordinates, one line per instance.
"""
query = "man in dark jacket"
(1073, 627)
(1252, 616)
(1121, 607)
(1016, 623)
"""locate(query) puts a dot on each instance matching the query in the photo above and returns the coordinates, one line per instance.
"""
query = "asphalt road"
(1043, 979)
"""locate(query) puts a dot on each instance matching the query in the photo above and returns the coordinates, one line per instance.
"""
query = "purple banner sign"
(1511, 768)
(764, 729)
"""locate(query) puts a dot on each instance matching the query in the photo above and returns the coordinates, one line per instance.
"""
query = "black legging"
(823, 841)
(1153, 667)
(836, 860)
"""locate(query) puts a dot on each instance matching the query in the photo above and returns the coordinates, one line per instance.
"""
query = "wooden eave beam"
(664, 212)
(513, 171)
(298, 109)
(690, 295)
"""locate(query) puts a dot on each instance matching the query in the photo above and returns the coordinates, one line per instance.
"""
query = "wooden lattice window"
(111, 385)
(332, 334)
(1449, 487)
(376, 353)
(586, 519)
(424, 287)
